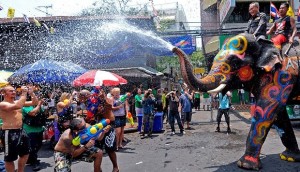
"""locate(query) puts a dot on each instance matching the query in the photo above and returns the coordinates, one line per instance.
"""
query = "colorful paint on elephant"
(221, 69)
(274, 95)
(245, 73)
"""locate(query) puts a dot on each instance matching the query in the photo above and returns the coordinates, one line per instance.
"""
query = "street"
(200, 149)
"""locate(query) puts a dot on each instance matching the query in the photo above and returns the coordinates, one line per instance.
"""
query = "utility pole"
(46, 7)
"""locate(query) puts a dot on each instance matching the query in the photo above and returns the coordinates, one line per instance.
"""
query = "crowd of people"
(75, 111)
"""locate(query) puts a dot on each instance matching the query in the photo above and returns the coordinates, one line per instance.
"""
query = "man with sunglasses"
(65, 151)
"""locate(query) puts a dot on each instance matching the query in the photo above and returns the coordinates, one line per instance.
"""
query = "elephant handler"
(65, 151)
(282, 27)
(16, 142)
(257, 25)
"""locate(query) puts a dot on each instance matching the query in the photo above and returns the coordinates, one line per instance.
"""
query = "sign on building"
(225, 9)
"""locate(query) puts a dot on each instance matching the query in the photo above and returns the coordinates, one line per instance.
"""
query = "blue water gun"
(90, 132)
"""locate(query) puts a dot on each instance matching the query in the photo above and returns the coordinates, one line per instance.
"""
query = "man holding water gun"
(65, 150)
(104, 111)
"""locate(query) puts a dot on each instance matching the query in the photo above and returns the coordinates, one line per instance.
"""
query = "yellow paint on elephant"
(209, 79)
(261, 132)
(238, 42)
(225, 68)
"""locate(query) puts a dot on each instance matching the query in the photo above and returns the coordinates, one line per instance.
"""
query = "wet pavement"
(200, 149)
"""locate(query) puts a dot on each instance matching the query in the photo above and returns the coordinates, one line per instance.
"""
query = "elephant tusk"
(218, 89)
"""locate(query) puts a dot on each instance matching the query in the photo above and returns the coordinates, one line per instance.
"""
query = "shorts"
(16, 143)
(87, 155)
(108, 142)
(120, 121)
(186, 116)
(63, 161)
(278, 40)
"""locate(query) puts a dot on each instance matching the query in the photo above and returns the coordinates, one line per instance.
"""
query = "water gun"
(130, 119)
(90, 132)
(92, 105)
(124, 97)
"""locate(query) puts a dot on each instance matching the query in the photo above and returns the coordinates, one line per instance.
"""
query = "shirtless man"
(16, 141)
(65, 151)
(105, 112)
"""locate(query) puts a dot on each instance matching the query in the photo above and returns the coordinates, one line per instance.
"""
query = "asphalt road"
(200, 149)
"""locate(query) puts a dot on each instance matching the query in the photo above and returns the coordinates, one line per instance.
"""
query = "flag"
(51, 30)
(26, 19)
(45, 26)
(299, 14)
(290, 12)
(11, 13)
(273, 11)
(36, 22)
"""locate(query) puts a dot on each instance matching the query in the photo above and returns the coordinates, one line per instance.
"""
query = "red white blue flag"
(273, 11)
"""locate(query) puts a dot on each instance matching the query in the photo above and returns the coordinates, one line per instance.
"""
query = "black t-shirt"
(173, 104)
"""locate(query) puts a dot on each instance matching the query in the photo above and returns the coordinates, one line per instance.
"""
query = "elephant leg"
(287, 136)
(260, 126)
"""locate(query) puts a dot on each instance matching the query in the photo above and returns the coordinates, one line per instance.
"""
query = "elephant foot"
(291, 156)
(249, 163)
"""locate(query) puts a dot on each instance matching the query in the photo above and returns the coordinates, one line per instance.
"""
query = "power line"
(46, 9)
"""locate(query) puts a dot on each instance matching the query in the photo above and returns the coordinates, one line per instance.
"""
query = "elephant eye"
(235, 62)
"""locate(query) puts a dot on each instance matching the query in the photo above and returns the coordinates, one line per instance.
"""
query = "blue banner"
(186, 43)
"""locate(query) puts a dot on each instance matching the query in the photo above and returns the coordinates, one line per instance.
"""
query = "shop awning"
(212, 45)
(137, 72)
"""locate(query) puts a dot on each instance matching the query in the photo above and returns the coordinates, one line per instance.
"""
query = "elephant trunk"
(206, 84)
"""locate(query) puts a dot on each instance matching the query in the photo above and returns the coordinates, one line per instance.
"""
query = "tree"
(164, 62)
(165, 24)
(114, 7)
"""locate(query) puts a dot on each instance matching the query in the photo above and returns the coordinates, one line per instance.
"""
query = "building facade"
(227, 18)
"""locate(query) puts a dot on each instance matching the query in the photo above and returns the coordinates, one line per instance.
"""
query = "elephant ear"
(269, 56)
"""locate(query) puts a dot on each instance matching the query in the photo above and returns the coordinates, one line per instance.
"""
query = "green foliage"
(113, 7)
(197, 58)
(165, 24)
(163, 62)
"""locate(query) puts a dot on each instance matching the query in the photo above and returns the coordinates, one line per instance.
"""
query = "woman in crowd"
(119, 110)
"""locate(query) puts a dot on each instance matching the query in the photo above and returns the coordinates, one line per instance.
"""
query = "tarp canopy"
(47, 72)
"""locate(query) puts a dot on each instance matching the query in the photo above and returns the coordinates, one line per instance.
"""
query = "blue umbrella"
(47, 72)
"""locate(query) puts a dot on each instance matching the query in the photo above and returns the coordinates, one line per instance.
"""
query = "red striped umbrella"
(99, 78)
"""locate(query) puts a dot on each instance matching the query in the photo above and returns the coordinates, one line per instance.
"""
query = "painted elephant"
(257, 67)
